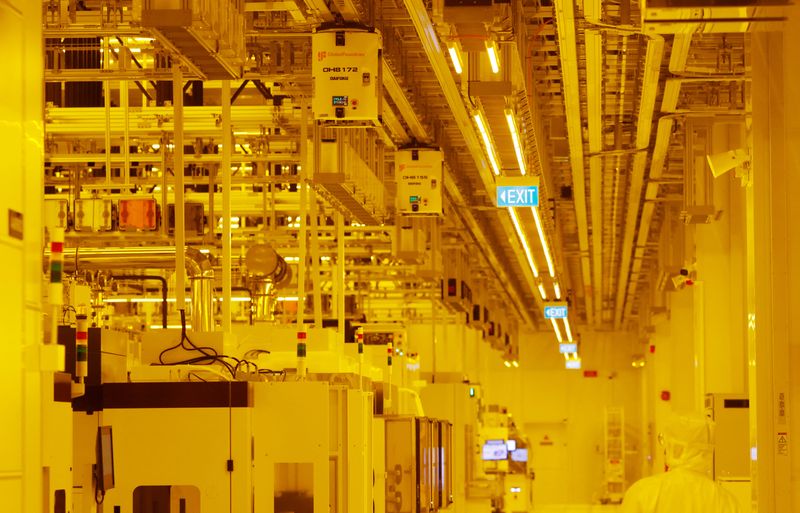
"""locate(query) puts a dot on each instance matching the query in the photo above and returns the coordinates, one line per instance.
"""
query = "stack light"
(302, 351)
(56, 271)
(494, 59)
(456, 58)
(487, 142)
(81, 348)
(512, 127)
(389, 353)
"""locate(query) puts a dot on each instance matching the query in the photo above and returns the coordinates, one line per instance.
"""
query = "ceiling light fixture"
(524, 240)
(567, 330)
(512, 126)
(455, 56)
(557, 289)
(542, 291)
(487, 142)
(557, 330)
(494, 59)
(543, 240)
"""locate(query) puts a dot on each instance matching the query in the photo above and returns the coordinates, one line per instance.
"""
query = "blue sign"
(555, 312)
(517, 196)
(567, 348)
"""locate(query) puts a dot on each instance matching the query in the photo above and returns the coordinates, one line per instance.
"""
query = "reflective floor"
(573, 508)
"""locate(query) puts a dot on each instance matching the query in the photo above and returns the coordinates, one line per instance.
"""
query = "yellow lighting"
(524, 240)
(515, 364)
(557, 330)
(507, 363)
(567, 330)
(542, 291)
(512, 127)
(456, 58)
(557, 289)
(287, 298)
(543, 240)
(494, 60)
(487, 142)
(169, 326)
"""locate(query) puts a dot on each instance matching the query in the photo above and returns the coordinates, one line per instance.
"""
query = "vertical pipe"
(315, 265)
(164, 186)
(177, 166)
(301, 189)
(124, 104)
(107, 106)
(226, 205)
(339, 281)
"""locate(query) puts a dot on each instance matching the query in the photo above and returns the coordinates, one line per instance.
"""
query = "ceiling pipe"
(644, 124)
(594, 94)
(198, 267)
(565, 22)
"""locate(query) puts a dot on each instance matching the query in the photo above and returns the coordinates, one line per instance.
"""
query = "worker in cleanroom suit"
(686, 487)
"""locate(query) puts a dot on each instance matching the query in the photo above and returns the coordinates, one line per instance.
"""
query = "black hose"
(150, 277)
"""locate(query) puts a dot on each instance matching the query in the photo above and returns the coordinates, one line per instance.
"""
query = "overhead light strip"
(543, 240)
(557, 330)
(487, 142)
(494, 59)
(524, 240)
(455, 57)
(512, 127)
(567, 330)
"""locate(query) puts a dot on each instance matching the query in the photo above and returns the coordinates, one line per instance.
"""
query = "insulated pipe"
(198, 267)
(150, 277)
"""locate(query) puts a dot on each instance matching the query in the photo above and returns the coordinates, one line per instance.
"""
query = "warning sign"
(546, 441)
(783, 444)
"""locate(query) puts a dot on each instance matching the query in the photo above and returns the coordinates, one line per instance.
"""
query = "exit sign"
(518, 196)
(517, 191)
(555, 311)
(568, 348)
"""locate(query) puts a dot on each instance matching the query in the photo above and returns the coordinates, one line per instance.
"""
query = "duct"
(198, 267)
(565, 21)
(267, 271)
(650, 77)
(594, 89)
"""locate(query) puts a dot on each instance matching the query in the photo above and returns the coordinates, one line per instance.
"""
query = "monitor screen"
(494, 450)
(512, 445)
(520, 454)
(105, 459)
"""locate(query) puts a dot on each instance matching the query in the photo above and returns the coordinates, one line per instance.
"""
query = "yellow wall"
(21, 92)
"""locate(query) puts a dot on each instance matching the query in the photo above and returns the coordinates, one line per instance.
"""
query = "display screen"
(511, 444)
(339, 101)
(519, 455)
(494, 450)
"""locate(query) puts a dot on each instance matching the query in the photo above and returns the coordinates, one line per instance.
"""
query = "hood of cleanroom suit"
(687, 487)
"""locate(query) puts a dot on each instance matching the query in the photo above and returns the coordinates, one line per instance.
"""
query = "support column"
(227, 151)
(773, 268)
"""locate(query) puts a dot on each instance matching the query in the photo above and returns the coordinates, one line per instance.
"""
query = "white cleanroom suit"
(687, 486)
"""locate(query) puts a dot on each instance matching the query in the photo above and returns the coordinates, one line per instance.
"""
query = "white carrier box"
(346, 72)
(418, 172)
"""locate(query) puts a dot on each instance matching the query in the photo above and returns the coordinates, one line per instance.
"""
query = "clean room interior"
(414, 256)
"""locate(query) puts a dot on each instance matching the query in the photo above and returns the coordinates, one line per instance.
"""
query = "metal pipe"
(227, 150)
(177, 167)
(150, 277)
(197, 265)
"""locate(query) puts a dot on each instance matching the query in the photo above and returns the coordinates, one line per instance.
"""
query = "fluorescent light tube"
(512, 127)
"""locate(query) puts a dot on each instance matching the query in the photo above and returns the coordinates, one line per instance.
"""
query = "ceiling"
(601, 105)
